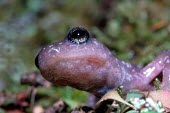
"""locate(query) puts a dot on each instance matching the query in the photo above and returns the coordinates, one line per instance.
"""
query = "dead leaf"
(113, 95)
(161, 95)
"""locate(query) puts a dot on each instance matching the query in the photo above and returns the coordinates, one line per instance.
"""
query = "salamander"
(82, 62)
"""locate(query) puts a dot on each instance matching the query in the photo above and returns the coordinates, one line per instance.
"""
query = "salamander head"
(79, 61)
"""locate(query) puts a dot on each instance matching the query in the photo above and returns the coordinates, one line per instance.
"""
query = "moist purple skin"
(82, 62)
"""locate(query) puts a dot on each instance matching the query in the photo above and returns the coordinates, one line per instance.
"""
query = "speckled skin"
(91, 67)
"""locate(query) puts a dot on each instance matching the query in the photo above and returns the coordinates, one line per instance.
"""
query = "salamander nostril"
(78, 35)
(36, 62)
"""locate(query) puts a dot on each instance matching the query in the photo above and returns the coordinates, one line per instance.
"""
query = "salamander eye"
(78, 35)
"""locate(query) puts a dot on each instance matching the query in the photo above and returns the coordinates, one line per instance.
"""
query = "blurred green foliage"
(132, 30)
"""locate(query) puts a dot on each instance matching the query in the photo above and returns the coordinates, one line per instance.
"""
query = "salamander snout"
(78, 35)
(36, 62)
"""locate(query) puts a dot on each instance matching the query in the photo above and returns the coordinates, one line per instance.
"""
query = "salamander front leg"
(160, 64)
(166, 75)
